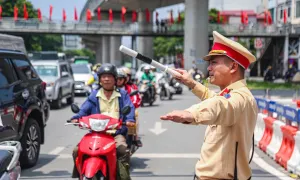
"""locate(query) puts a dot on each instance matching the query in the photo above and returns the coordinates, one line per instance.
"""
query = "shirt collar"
(102, 95)
(235, 85)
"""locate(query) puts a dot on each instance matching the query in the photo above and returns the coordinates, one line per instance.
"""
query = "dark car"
(23, 105)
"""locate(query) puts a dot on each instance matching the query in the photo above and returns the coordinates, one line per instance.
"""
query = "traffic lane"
(58, 164)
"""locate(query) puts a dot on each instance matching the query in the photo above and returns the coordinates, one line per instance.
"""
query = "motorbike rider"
(94, 79)
(147, 75)
(135, 99)
(109, 100)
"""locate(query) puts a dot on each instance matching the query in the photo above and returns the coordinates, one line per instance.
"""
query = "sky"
(69, 5)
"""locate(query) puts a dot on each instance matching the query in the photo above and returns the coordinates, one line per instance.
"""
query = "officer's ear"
(234, 67)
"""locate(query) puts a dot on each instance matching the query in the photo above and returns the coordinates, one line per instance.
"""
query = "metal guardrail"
(118, 28)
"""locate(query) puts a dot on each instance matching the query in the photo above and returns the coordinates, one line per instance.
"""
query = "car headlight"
(98, 124)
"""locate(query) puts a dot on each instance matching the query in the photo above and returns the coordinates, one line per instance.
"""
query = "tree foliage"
(82, 52)
(32, 42)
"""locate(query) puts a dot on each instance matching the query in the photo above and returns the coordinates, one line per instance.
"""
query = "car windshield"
(46, 70)
(80, 69)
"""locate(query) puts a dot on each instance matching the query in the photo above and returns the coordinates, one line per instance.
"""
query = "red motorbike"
(97, 157)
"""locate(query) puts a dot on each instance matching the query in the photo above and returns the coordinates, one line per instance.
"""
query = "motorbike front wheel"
(98, 176)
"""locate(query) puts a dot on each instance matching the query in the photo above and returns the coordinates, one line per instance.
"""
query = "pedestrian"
(230, 115)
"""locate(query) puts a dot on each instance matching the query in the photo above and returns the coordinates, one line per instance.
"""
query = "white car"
(82, 73)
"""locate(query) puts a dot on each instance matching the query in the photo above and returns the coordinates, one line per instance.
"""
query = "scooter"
(164, 89)
(10, 151)
(176, 85)
(97, 156)
(147, 96)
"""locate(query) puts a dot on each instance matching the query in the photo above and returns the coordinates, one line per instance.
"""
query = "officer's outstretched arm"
(218, 110)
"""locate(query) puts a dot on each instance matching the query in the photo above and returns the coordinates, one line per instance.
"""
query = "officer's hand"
(185, 78)
(178, 116)
(130, 124)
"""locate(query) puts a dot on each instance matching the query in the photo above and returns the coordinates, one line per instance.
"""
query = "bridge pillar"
(105, 49)
(145, 44)
(115, 54)
(99, 51)
(196, 40)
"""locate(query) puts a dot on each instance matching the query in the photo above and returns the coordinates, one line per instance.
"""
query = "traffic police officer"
(230, 115)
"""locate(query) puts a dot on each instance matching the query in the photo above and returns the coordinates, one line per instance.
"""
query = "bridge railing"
(9, 25)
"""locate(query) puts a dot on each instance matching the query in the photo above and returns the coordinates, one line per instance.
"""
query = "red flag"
(75, 14)
(244, 17)
(123, 14)
(88, 16)
(218, 17)
(16, 13)
(171, 17)
(179, 17)
(147, 15)
(25, 12)
(64, 15)
(39, 14)
(0, 12)
(134, 16)
(284, 16)
(269, 18)
(111, 18)
(156, 17)
(99, 14)
(50, 12)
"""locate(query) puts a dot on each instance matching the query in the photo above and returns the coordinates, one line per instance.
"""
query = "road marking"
(57, 150)
(161, 155)
(261, 163)
(256, 159)
(157, 128)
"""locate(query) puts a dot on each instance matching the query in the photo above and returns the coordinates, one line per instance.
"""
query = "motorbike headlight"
(198, 76)
(98, 124)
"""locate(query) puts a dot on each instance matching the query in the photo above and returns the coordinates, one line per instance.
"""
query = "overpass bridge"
(105, 28)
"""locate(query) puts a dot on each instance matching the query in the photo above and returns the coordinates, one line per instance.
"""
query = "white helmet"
(147, 68)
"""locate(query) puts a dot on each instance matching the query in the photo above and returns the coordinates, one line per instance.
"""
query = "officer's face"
(219, 71)
(107, 81)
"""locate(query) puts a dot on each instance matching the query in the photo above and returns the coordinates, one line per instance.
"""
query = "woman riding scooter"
(123, 82)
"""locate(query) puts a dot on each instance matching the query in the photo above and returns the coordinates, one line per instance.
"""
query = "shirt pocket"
(213, 134)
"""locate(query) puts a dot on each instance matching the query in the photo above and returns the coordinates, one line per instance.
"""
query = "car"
(58, 75)
(82, 73)
(24, 110)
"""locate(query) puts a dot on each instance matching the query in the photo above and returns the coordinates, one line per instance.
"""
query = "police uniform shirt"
(231, 117)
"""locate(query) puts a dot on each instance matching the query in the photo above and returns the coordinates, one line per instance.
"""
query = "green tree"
(32, 42)
(82, 52)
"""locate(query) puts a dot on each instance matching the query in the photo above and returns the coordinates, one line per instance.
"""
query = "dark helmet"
(108, 69)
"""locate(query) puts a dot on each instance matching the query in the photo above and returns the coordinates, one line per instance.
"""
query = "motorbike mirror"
(75, 108)
(134, 93)
(126, 110)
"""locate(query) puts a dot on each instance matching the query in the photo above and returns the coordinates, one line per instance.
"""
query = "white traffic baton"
(148, 60)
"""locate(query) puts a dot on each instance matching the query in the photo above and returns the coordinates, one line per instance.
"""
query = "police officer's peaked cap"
(231, 49)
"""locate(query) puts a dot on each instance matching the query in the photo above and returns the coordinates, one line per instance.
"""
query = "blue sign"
(298, 114)
(261, 103)
(279, 109)
(272, 106)
(290, 113)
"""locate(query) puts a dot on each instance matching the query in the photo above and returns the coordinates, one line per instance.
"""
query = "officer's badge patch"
(227, 96)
